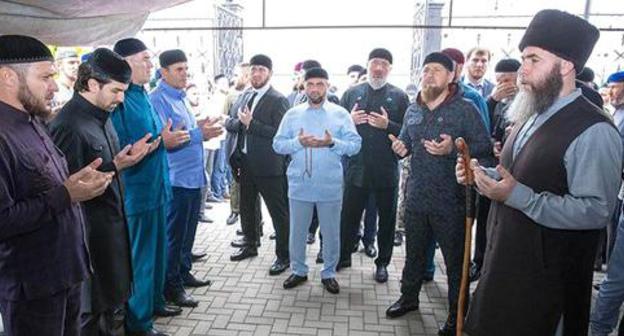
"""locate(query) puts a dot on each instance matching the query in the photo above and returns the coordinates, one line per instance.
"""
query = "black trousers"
(274, 191)
(55, 315)
(483, 208)
(448, 230)
(353, 204)
(108, 323)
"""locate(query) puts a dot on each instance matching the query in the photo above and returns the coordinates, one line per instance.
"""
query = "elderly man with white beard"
(555, 187)
(377, 108)
(435, 202)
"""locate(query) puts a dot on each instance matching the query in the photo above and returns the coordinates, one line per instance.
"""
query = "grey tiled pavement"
(245, 300)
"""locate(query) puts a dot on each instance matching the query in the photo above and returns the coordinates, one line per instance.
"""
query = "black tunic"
(375, 166)
(84, 133)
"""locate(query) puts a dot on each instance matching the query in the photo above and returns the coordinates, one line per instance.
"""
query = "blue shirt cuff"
(196, 136)
(520, 197)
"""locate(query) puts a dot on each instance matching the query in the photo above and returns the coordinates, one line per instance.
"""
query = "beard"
(316, 100)
(430, 93)
(376, 83)
(32, 104)
(537, 100)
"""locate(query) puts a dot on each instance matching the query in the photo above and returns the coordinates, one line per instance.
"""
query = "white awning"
(78, 22)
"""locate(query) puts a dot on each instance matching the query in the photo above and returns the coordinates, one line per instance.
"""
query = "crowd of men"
(103, 183)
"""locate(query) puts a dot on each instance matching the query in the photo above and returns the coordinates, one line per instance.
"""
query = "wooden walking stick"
(464, 153)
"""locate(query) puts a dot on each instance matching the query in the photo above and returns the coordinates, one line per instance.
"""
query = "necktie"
(251, 100)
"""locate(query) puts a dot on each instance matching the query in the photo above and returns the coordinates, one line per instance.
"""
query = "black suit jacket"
(267, 116)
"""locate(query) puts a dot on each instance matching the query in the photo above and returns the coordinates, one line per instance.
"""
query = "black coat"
(375, 166)
(84, 132)
(267, 116)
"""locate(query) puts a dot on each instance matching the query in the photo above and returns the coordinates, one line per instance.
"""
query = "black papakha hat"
(563, 34)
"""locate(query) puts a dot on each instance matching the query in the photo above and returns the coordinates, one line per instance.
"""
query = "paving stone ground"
(245, 301)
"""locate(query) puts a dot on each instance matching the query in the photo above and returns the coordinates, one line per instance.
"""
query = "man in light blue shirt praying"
(316, 135)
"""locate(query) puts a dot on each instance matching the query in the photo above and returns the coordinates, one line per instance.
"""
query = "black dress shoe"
(370, 251)
(182, 299)
(319, 256)
(381, 274)
(310, 239)
(279, 267)
(151, 332)
(197, 256)
(450, 326)
(427, 278)
(168, 311)
(398, 238)
(244, 253)
(239, 232)
(294, 280)
(331, 285)
(193, 282)
(343, 264)
(241, 242)
(233, 218)
(402, 307)
(272, 236)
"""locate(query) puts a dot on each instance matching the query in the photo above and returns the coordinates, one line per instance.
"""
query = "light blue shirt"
(186, 168)
(316, 174)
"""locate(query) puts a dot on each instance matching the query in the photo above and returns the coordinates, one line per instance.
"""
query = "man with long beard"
(435, 202)
(43, 253)
(377, 108)
(555, 187)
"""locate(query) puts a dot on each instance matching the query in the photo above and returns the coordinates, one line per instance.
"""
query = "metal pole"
(587, 9)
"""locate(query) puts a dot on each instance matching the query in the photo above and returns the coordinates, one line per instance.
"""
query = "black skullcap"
(316, 73)
(129, 46)
(110, 63)
(23, 49)
(586, 75)
(309, 64)
(355, 68)
(440, 58)
(380, 53)
(172, 56)
(507, 65)
(563, 34)
(263, 60)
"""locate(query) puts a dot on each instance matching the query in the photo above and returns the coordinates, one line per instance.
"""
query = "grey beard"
(376, 84)
(522, 107)
(538, 100)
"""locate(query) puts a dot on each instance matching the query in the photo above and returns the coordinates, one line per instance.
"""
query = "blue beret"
(617, 77)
